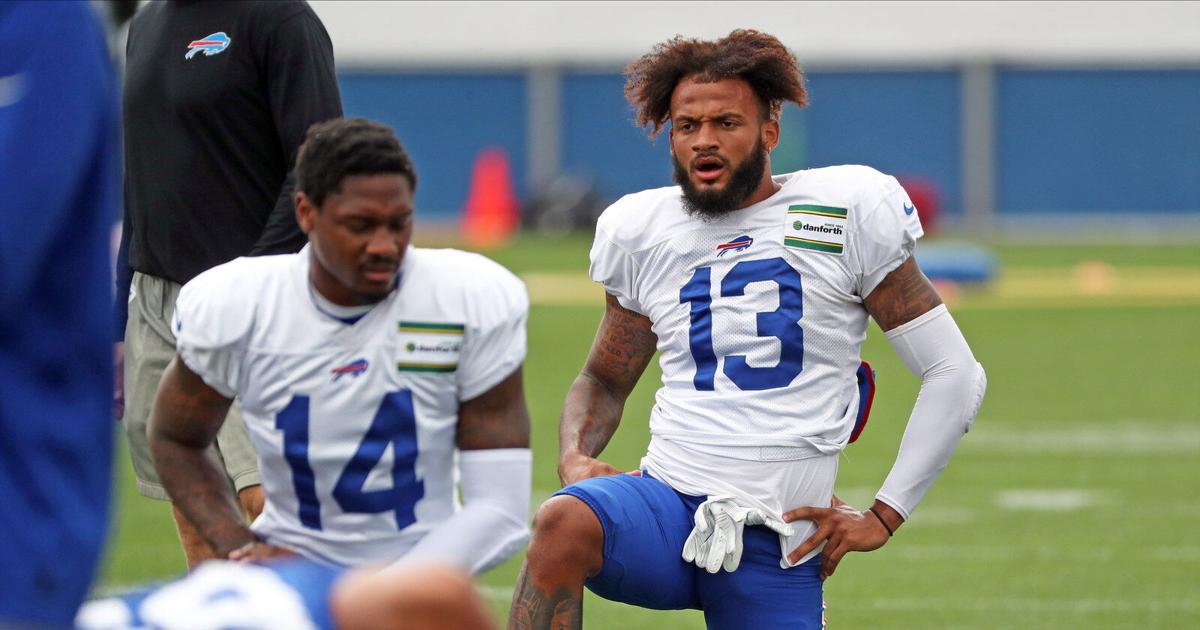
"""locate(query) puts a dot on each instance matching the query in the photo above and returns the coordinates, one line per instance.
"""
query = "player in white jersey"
(756, 290)
(374, 378)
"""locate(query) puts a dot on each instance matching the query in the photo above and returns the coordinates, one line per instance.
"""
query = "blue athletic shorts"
(645, 524)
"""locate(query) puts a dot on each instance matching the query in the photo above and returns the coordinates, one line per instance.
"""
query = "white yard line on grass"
(1176, 554)
(1114, 438)
(1015, 554)
(1048, 499)
(979, 602)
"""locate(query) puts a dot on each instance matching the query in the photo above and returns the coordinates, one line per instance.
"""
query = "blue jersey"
(286, 595)
(58, 203)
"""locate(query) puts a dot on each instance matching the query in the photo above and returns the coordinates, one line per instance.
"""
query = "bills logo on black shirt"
(214, 44)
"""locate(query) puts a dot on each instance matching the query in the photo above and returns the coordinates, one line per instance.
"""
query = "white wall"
(487, 34)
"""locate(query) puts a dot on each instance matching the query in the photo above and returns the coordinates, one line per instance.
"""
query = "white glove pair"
(716, 540)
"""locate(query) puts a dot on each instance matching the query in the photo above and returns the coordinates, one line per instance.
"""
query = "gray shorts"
(149, 347)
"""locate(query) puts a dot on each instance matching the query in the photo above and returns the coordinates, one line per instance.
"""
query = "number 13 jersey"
(759, 313)
(354, 420)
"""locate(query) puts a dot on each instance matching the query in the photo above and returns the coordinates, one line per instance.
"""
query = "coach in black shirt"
(218, 96)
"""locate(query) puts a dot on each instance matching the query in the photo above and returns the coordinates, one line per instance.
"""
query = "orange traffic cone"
(492, 212)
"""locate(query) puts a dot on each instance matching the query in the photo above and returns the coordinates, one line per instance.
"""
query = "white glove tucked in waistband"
(716, 540)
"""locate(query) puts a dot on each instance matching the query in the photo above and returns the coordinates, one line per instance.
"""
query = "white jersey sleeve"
(613, 267)
(886, 231)
(494, 339)
(212, 323)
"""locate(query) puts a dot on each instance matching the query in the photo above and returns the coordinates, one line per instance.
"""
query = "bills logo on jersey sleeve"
(430, 346)
(816, 228)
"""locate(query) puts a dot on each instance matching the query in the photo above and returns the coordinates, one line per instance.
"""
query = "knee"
(566, 533)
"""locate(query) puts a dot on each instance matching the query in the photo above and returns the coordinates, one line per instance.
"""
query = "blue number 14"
(782, 323)
(394, 423)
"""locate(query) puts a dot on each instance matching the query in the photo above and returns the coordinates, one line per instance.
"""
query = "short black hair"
(343, 147)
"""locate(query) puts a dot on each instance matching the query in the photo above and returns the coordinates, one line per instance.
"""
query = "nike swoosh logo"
(908, 209)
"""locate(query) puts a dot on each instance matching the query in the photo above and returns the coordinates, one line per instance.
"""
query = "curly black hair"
(755, 57)
(336, 149)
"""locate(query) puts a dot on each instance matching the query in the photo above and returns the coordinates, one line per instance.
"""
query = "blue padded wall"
(444, 120)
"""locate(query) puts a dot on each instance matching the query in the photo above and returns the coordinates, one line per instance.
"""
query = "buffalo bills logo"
(214, 44)
(739, 244)
(354, 368)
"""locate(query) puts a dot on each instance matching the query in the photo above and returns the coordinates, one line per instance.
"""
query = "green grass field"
(1072, 503)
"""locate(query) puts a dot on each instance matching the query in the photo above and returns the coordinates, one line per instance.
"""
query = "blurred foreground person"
(756, 289)
(296, 594)
(58, 200)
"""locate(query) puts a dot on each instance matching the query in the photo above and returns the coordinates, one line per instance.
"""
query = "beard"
(710, 204)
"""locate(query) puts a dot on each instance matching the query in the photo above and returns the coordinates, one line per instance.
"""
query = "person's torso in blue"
(59, 160)
(221, 595)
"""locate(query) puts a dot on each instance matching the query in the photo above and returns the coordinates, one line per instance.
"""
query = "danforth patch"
(816, 228)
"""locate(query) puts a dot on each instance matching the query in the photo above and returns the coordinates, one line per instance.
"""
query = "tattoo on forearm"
(199, 490)
(590, 416)
(904, 295)
(624, 345)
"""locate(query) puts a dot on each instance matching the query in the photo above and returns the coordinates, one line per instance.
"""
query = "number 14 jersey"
(759, 313)
(354, 419)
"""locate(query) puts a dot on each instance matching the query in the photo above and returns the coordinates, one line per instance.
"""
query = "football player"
(756, 289)
(373, 376)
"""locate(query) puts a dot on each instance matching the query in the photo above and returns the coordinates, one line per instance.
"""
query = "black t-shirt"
(218, 97)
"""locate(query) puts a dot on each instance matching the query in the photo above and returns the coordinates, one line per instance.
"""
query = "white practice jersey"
(354, 421)
(759, 316)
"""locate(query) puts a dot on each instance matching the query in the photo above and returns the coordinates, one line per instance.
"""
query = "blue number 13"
(782, 323)
(394, 423)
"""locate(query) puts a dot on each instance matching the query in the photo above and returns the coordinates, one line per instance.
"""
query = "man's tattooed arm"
(904, 295)
(623, 347)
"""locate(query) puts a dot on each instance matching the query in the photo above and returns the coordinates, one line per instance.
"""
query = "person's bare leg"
(567, 546)
(416, 597)
(252, 500)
